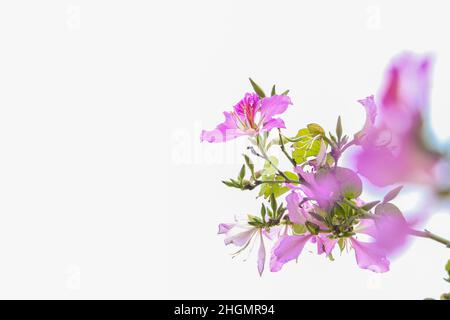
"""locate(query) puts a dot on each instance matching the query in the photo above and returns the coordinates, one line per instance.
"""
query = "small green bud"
(257, 89)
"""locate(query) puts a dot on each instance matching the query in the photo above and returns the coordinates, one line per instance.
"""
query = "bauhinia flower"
(395, 138)
(242, 234)
(249, 117)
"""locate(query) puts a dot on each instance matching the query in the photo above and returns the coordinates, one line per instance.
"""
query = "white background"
(105, 191)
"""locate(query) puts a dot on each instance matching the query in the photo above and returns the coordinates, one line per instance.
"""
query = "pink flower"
(392, 149)
(249, 117)
(242, 234)
(405, 92)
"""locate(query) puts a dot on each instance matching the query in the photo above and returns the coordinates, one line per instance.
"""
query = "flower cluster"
(319, 201)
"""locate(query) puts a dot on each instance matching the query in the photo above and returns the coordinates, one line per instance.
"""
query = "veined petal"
(294, 211)
(287, 248)
(273, 233)
(225, 131)
(371, 114)
(370, 256)
(274, 105)
(239, 235)
(325, 244)
(225, 227)
(273, 123)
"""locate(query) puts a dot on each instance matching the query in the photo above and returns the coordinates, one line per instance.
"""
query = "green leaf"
(315, 129)
(270, 173)
(241, 173)
(341, 243)
(306, 144)
(291, 175)
(273, 188)
(254, 221)
(316, 216)
(233, 183)
(228, 183)
(253, 218)
(285, 93)
(257, 89)
(268, 169)
(447, 268)
(392, 194)
(273, 203)
(263, 212)
(339, 128)
(273, 91)
(250, 165)
(299, 228)
(312, 227)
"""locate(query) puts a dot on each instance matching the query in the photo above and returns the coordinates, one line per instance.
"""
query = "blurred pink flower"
(249, 117)
(327, 186)
(392, 148)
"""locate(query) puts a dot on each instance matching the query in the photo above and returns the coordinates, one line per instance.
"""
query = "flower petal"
(294, 211)
(371, 114)
(261, 256)
(239, 235)
(390, 230)
(406, 90)
(287, 248)
(274, 105)
(370, 256)
(325, 244)
(274, 123)
(225, 131)
(225, 227)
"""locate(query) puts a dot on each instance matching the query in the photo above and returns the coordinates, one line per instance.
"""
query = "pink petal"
(325, 244)
(239, 235)
(406, 90)
(261, 256)
(225, 227)
(273, 233)
(294, 211)
(248, 105)
(371, 114)
(286, 249)
(390, 230)
(370, 256)
(274, 105)
(225, 131)
(273, 123)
